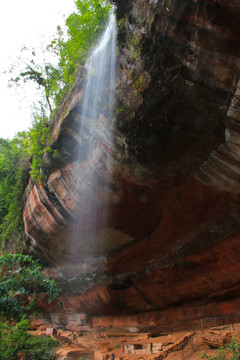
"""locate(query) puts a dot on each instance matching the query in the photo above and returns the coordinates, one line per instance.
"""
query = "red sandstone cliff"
(171, 241)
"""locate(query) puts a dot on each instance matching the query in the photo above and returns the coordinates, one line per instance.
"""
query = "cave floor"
(100, 344)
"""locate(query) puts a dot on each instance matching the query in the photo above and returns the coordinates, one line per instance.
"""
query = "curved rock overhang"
(172, 235)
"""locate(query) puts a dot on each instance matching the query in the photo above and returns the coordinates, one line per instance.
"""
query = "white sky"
(30, 23)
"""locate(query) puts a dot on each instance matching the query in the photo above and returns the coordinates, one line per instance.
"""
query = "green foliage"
(13, 179)
(12, 339)
(15, 165)
(229, 351)
(21, 281)
(83, 29)
(40, 348)
(35, 66)
(16, 339)
(45, 77)
(37, 144)
(134, 47)
(139, 82)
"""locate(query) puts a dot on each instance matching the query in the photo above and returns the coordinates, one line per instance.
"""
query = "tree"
(14, 166)
(37, 75)
(16, 340)
(21, 282)
(83, 29)
(35, 66)
(71, 46)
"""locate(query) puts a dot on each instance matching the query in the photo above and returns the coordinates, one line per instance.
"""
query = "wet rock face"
(164, 194)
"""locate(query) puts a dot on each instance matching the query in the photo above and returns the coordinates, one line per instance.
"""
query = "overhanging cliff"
(171, 239)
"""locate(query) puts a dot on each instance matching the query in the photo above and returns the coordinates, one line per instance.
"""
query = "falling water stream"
(99, 93)
(97, 105)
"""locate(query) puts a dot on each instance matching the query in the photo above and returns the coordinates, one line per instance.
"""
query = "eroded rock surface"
(164, 199)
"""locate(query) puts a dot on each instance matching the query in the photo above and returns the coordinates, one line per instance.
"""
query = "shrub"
(229, 351)
(21, 281)
(16, 339)
(14, 167)
(40, 348)
(12, 339)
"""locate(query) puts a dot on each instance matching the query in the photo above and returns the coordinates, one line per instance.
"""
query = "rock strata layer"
(164, 196)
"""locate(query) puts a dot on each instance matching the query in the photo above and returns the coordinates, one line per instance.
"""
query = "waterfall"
(95, 163)
(98, 107)
(99, 93)
(88, 237)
